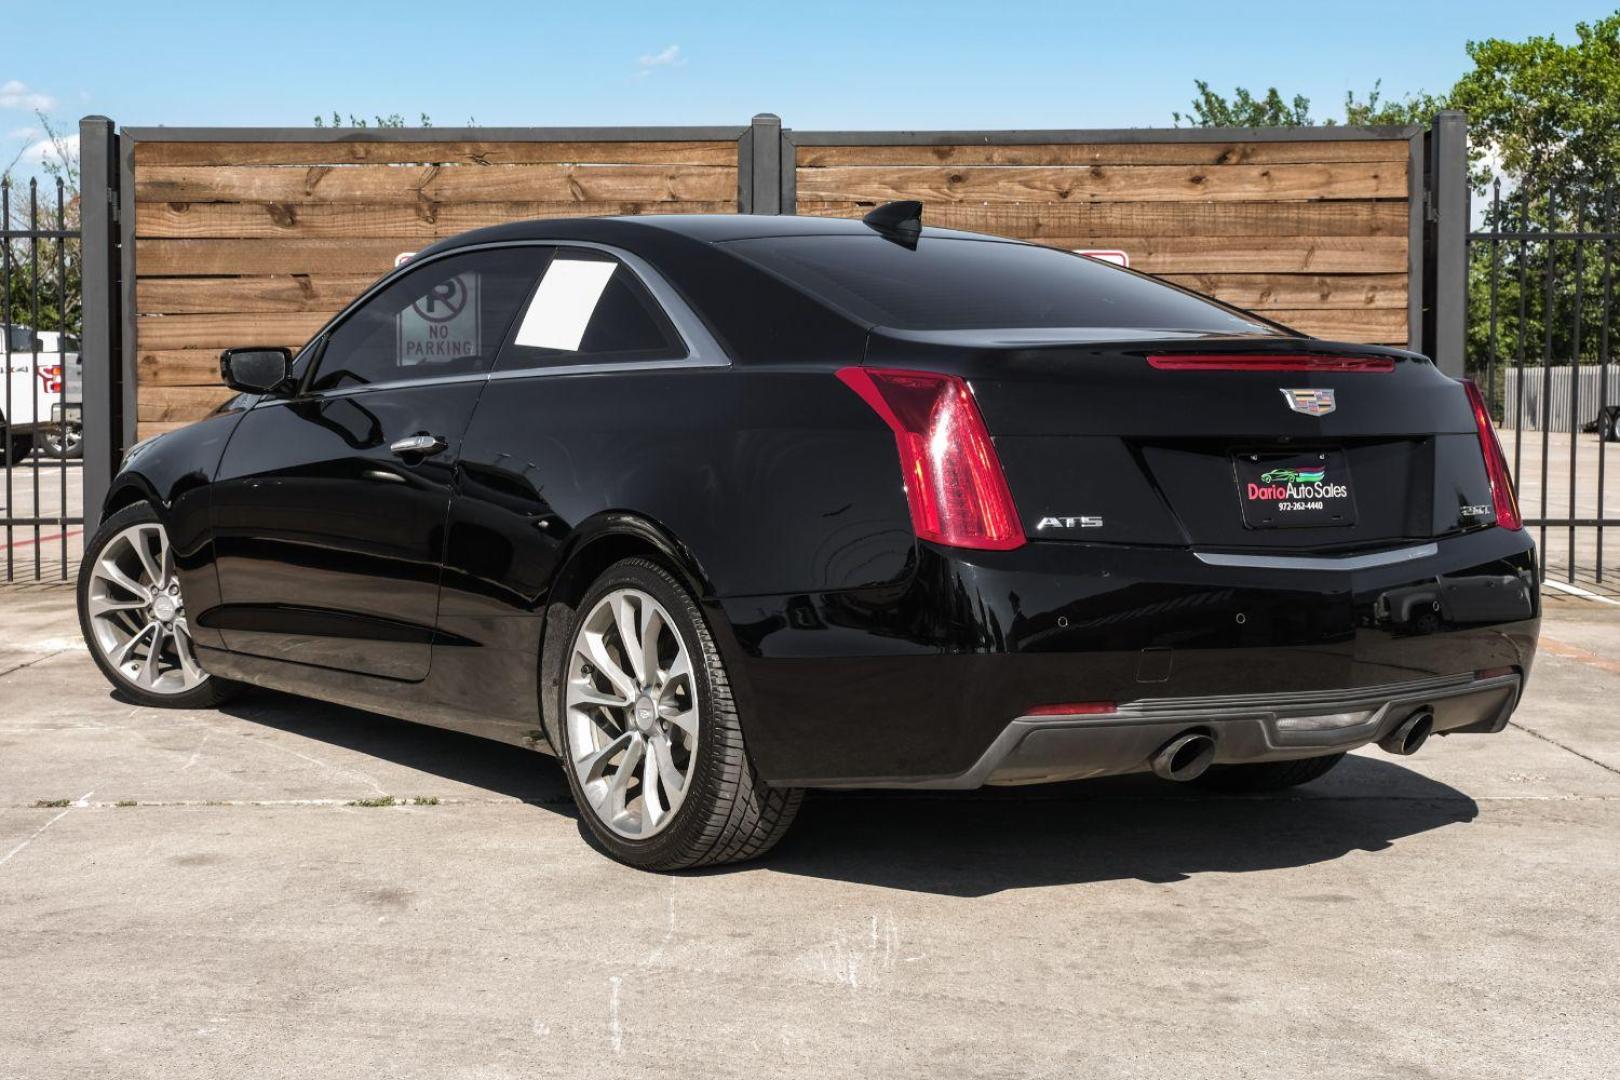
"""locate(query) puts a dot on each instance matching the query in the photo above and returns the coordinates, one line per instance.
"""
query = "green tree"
(1213, 109)
(53, 278)
(1546, 115)
(1549, 113)
(392, 120)
(1243, 109)
(1377, 111)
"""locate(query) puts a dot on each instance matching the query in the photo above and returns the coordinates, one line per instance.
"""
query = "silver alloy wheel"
(137, 615)
(632, 713)
(62, 442)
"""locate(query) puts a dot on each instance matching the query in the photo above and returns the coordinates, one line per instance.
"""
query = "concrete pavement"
(206, 894)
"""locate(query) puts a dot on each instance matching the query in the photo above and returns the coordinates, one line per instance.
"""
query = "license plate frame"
(1309, 489)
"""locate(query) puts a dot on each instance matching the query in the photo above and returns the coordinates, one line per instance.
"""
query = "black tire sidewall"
(668, 845)
(208, 693)
(16, 448)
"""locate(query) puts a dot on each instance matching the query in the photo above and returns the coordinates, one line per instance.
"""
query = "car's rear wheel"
(63, 441)
(651, 741)
(134, 618)
(1267, 775)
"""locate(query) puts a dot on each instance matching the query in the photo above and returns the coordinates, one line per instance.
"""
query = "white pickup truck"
(36, 414)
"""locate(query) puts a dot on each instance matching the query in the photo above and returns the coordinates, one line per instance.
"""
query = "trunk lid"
(1259, 447)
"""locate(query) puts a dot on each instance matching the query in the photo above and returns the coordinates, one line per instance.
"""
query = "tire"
(16, 449)
(57, 444)
(681, 716)
(1266, 775)
(121, 618)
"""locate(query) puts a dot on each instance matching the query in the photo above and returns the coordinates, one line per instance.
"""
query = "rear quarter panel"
(774, 479)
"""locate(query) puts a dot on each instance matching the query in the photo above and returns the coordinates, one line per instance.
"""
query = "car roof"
(703, 228)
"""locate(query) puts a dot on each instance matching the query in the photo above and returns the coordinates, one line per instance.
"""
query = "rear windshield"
(951, 284)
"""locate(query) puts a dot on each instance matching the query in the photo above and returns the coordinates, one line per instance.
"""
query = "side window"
(589, 307)
(446, 317)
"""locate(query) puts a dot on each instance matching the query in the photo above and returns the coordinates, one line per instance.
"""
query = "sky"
(831, 64)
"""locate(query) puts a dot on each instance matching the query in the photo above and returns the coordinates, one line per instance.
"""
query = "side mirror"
(255, 371)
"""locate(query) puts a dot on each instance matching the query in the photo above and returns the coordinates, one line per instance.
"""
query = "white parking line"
(78, 803)
(1576, 590)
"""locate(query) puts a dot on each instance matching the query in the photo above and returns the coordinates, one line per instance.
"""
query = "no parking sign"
(442, 325)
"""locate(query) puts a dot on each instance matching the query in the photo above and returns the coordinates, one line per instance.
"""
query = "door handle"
(418, 444)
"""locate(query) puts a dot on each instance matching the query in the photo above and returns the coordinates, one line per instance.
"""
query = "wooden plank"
(207, 257)
(1378, 326)
(1155, 255)
(434, 183)
(248, 295)
(1034, 221)
(1250, 254)
(178, 367)
(1170, 153)
(1259, 292)
(1110, 183)
(425, 220)
(146, 431)
(167, 404)
(359, 152)
(224, 331)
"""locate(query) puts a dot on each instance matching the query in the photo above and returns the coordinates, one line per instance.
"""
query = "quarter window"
(590, 307)
(446, 317)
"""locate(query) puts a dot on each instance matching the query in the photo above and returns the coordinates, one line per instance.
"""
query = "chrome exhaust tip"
(1184, 757)
(1411, 735)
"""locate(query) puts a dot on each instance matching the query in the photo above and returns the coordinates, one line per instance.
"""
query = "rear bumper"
(1047, 749)
(932, 681)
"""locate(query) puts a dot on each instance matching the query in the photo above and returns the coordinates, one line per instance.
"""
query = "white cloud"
(15, 94)
(23, 133)
(670, 56)
(45, 152)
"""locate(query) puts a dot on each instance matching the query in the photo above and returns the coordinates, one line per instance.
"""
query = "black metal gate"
(42, 515)
(1541, 313)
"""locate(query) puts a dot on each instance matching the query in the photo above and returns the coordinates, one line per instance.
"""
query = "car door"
(535, 454)
(329, 506)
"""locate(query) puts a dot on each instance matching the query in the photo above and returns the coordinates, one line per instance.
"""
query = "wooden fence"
(1312, 233)
(244, 242)
(245, 237)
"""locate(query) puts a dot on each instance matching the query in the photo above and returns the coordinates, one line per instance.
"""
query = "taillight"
(51, 376)
(1503, 500)
(1275, 362)
(1073, 708)
(954, 484)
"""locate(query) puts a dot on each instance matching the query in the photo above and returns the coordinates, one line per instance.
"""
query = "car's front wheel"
(649, 733)
(134, 618)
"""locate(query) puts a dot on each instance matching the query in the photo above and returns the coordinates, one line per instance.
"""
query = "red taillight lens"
(51, 376)
(954, 484)
(1073, 708)
(1217, 362)
(1503, 499)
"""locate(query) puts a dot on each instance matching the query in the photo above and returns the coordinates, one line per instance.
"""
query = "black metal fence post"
(763, 165)
(1448, 200)
(102, 344)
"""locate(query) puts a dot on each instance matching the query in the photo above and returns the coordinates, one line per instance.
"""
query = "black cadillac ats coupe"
(720, 509)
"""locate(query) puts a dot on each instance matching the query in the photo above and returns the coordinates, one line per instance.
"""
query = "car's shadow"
(1137, 827)
(503, 769)
(969, 843)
